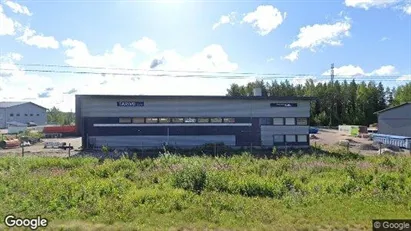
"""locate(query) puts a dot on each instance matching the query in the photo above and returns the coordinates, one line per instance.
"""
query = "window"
(25, 115)
(278, 121)
(189, 120)
(265, 121)
(216, 120)
(11, 115)
(17, 114)
(138, 120)
(151, 120)
(302, 121)
(289, 121)
(203, 120)
(164, 120)
(124, 120)
(31, 114)
(290, 138)
(278, 138)
(229, 120)
(177, 120)
(302, 138)
(38, 114)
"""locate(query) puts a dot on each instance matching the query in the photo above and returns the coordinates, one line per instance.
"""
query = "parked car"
(31, 124)
(313, 130)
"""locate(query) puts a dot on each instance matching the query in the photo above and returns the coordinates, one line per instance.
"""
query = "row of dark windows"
(154, 120)
(279, 121)
(11, 114)
(290, 139)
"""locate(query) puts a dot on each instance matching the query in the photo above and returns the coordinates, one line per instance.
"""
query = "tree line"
(336, 103)
(55, 116)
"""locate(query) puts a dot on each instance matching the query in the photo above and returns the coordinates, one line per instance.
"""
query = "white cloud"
(31, 38)
(384, 70)
(78, 54)
(265, 19)
(356, 71)
(404, 78)
(319, 35)
(145, 45)
(7, 25)
(383, 39)
(174, 67)
(225, 19)
(367, 4)
(407, 9)
(269, 60)
(347, 71)
(17, 8)
(292, 56)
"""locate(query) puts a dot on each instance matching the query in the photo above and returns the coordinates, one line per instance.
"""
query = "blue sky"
(367, 39)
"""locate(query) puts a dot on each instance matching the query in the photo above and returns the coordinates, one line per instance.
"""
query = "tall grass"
(298, 192)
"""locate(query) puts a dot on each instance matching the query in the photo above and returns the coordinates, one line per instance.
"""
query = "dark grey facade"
(187, 121)
(22, 112)
(395, 121)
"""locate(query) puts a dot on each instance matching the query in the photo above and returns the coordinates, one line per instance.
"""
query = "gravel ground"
(39, 150)
(331, 137)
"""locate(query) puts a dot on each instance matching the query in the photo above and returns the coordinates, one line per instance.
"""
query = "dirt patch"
(368, 147)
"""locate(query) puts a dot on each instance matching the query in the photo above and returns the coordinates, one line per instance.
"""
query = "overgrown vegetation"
(304, 192)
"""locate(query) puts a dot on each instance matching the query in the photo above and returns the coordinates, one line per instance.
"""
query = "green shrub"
(193, 178)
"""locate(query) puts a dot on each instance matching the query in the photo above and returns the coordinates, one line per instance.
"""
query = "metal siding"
(107, 107)
(2, 118)
(28, 109)
(158, 141)
(396, 121)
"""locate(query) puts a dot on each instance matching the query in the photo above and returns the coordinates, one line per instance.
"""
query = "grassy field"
(301, 192)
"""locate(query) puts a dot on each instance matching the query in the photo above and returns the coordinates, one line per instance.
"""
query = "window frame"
(190, 120)
(151, 119)
(276, 142)
(285, 121)
(304, 135)
(203, 120)
(161, 120)
(180, 120)
(288, 142)
(124, 118)
(132, 120)
(299, 118)
(228, 122)
(220, 120)
(282, 119)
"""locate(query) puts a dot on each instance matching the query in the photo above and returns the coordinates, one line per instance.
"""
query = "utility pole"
(332, 93)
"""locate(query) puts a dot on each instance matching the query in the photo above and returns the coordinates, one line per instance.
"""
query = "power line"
(198, 71)
(203, 76)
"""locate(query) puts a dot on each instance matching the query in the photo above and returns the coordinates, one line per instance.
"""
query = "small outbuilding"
(395, 120)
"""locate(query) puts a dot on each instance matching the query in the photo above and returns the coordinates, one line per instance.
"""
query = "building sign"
(283, 104)
(130, 104)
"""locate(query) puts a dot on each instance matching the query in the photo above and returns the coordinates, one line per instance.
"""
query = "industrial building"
(120, 121)
(22, 112)
(395, 120)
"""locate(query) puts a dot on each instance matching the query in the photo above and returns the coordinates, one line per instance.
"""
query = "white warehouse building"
(22, 112)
